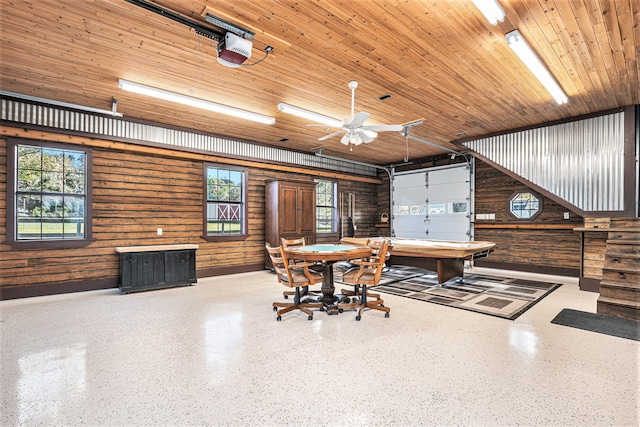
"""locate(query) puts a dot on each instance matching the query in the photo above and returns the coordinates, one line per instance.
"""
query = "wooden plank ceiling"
(439, 60)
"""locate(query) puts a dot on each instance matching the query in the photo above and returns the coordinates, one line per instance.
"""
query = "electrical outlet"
(566, 215)
(159, 231)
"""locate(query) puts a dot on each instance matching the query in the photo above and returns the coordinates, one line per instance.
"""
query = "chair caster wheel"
(286, 297)
(321, 308)
(358, 318)
(340, 310)
(310, 317)
(279, 318)
(386, 315)
(275, 308)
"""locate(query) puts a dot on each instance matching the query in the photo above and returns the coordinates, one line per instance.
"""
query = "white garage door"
(433, 203)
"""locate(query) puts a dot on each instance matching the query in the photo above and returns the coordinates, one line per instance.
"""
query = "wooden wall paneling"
(136, 191)
(547, 241)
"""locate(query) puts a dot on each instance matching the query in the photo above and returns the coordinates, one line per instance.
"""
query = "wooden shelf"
(626, 230)
(522, 226)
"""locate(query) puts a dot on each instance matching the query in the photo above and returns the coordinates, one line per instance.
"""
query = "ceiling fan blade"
(368, 132)
(345, 139)
(358, 120)
(397, 128)
(363, 136)
(331, 135)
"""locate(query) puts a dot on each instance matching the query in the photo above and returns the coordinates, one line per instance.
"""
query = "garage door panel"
(445, 215)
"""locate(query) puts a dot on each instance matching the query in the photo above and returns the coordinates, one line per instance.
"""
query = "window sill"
(233, 238)
(49, 244)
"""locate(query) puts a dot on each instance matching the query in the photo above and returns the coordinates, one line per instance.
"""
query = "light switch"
(159, 231)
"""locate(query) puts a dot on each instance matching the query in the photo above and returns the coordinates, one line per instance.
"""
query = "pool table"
(443, 256)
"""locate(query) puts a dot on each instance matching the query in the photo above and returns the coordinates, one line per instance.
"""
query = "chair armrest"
(363, 263)
(301, 265)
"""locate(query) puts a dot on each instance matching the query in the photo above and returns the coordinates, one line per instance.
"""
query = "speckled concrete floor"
(213, 354)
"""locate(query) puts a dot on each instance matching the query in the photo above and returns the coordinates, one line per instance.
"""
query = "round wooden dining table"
(328, 254)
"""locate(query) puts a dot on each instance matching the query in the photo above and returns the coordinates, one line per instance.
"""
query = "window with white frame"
(326, 207)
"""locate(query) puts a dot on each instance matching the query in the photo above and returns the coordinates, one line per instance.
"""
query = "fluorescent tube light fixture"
(491, 10)
(193, 102)
(531, 60)
(310, 115)
(111, 112)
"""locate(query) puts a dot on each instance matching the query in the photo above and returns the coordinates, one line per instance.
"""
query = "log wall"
(546, 244)
(136, 190)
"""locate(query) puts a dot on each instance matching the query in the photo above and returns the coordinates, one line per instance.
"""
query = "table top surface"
(327, 252)
(428, 248)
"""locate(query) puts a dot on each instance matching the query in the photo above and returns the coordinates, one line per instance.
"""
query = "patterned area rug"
(495, 296)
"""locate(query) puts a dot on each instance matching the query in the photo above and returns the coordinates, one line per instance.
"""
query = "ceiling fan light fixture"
(309, 115)
(521, 48)
(193, 102)
(491, 10)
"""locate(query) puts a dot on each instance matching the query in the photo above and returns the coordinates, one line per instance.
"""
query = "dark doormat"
(609, 325)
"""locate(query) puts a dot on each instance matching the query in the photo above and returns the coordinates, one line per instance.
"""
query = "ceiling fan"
(354, 130)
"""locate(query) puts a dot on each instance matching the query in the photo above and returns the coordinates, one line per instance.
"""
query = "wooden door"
(288, 213)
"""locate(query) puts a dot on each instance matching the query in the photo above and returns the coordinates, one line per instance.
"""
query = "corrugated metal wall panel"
(54, 117)
(581, 162)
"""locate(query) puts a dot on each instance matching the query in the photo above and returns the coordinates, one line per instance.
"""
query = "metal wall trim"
(581, 162)
(23, 112)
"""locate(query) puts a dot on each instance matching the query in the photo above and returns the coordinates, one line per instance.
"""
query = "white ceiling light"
(491, 10)
(194, 102)
(310, 115)
(531, 60)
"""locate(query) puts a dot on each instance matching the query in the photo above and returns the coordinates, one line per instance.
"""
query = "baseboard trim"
(40, 290)
(234, 269)
(57, 288)
(529, 268)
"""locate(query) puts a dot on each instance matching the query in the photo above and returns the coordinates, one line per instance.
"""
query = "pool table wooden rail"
(443, 256)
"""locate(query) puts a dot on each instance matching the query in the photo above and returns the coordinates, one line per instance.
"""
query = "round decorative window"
(525, 205)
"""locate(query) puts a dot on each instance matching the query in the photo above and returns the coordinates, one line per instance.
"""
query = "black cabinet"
(155, 267)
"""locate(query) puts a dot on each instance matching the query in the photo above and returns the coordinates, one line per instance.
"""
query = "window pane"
(402, 209)
(50, 198)
(524, 205)
(52, 182)
(225, 207)
(52, 160)
(223, 175)
(73, 183)
(235, 178)
(52, 207)
(74, 162)
(29, 180)
(437, 208)
(458, 207)
(325, 209)
(419, 209)
(235, 193)
(29, 158)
